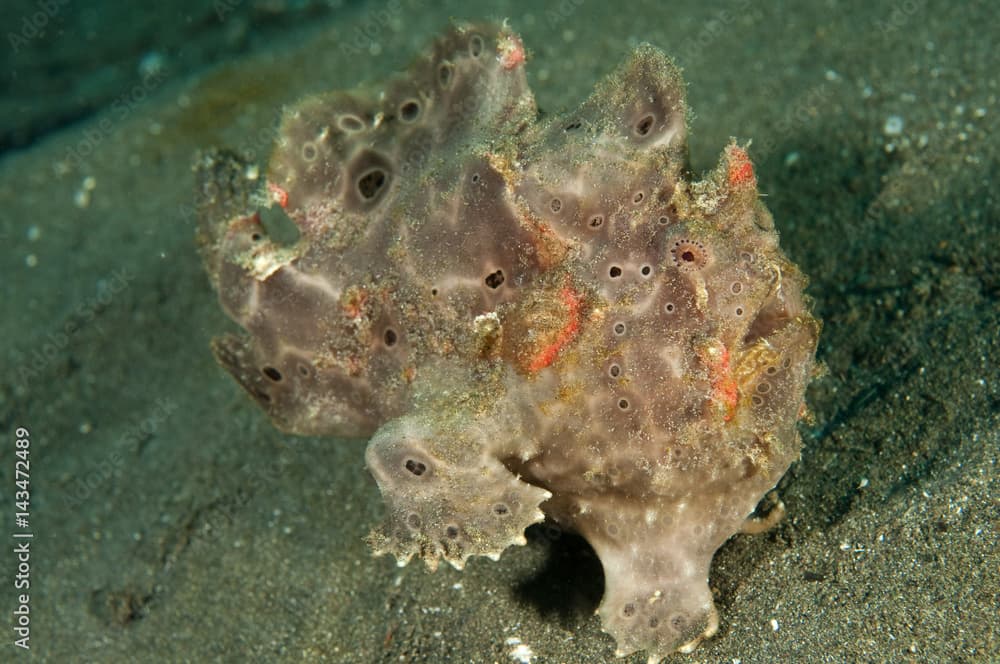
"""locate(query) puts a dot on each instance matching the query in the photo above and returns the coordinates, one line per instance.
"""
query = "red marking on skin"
(724, 387)
(278, 195)
(511, 52)
(353, 306)
(545, 357)
(740, 172)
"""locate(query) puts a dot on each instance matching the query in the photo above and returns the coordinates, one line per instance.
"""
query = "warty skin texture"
(529, 318)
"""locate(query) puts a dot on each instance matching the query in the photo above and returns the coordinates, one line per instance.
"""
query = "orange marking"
(511, 52)
(569, 331)
(725, 389)
(278, 195)
(740, 172)
(354, 303)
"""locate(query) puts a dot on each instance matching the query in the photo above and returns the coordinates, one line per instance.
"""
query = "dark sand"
(173, 523)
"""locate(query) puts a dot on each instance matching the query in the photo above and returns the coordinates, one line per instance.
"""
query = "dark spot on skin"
(476, 46)
(689, 254)
(669, 307)
(272, 373)
(445, 72)
(739, 311)
(628, 610)
(475, 178)
(646, 270)
(678, 623)
(371, 183)
(654, 622)
(619, 328)
(390, 338)
(255, 237)
(413, 520)
(409, 111)
(771, 371)
(623, 404)
(451, 532)
(736, 288)
(555, 205)
(501, 510)
(415, 467)
(671, 214)
(495, 280)
(614, 371)
(638, 197)
(645, 125)
(573, 125)
(304, 370)
(596, 221)
(615, 272)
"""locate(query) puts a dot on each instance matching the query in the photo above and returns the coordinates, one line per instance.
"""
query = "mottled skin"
(528, 318)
